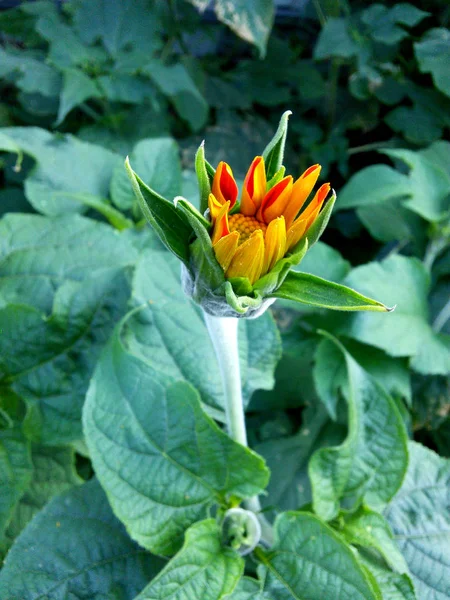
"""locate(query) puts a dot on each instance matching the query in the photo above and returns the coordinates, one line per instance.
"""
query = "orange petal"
(313, 208)
(221, 228)
(225, 249)
(214, 207)
(254, 187)
(275, 245)
(300, 192)
(249, 258)
(307, 218)
(224, 186)
(276, 200)
(295, 233)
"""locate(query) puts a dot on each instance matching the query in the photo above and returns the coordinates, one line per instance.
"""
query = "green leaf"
(383, 23)
(190, 464)
(158, 163)
(201, 569)
(66, 168)
(417, 124)
(63, 289)
(102, 563)
(325, 262)
(175, 82)
(335, 40)
(169, 331)
(330, 372)
(247, 589)
(53, 473)
(15, 471)
(315, 291)
(392, 585)
(309, 560)
(420, 520)
(274, 152)
(66, 48)
(429, 184)
(432, 55)
(369, 529)
(406, 331)
(370, 464)
(374, 185)
(378, 193)
(30, 75)
(287, 458)
(77, 88)
(252, 21)
(119, 24)
(170, 225)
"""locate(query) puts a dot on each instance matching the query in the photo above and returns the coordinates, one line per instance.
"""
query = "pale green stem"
(223, 332)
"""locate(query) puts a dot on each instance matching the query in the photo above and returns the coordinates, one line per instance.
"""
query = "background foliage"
(90, 300)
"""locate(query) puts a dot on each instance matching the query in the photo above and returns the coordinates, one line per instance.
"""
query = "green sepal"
(204, 182)
(193, 216)
(276, 178)
(241, 285)
(315, 291)
(171, 225)
(274, 151)
(210, 170)
(318, 227)
(274, 278)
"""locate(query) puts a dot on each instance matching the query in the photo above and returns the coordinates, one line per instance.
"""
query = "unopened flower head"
(252, 235)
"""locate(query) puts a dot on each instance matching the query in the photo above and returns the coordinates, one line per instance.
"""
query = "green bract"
(187, 233)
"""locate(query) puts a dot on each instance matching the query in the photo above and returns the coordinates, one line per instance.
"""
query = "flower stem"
(223, 332)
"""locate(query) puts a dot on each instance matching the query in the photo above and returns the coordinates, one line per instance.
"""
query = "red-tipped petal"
(221, 228)
(276, 200)
(254, 187)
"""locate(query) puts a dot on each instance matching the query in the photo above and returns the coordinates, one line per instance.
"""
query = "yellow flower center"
(245, 226)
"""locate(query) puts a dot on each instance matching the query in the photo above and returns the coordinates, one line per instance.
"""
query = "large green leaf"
(75, 549)
(310, 561)
(247, 589)
(405, 282)
(31, 75)
(251, 20)
(158, 164)
(77, 88)
(369, 529)
(430, 185)
(432, 55)
(420, 520)
(324, 261)
(370, 464)
(385, 24)
(119, 24)
(170, 333)
(15, 470)
(320, 293)
(53, 473)
(335, 40)
(330, 373)
(176, 82)
(203, 568)
(63, 289)
(66, 169)
(374, 185)
(393, 586)
(287, 458)
(162, 461)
